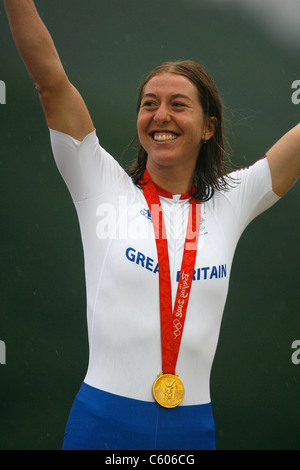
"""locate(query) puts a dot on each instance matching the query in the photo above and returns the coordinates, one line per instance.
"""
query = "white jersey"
(121, 268)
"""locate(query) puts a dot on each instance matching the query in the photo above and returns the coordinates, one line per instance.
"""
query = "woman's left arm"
(284, 161)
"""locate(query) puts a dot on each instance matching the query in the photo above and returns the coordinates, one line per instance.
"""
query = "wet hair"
(212, 166)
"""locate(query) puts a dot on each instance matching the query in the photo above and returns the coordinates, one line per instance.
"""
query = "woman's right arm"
(64, 107)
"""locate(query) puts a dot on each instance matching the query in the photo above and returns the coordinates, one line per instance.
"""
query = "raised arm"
(284, 161)
(64, 107)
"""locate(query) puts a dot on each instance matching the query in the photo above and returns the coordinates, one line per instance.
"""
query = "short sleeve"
(87, 169)
(251, 192)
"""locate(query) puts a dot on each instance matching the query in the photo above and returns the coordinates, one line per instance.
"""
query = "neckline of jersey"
(167, 194)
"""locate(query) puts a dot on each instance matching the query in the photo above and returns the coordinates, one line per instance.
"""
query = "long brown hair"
(211, 171)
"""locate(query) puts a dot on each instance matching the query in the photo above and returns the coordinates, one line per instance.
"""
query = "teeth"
(164, 137)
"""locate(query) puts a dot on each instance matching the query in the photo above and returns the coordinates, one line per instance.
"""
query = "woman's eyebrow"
(177, 95)
(180, 95)
(149, 95)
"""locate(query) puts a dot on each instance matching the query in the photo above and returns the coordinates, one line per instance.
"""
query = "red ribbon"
(172, 322)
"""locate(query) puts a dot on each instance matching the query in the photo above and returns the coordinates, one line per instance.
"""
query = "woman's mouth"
(164, 136)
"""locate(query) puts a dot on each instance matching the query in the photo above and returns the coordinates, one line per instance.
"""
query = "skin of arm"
(64, 107)
(284, 161)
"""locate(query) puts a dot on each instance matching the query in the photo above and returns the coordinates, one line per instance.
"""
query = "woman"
(158, 246)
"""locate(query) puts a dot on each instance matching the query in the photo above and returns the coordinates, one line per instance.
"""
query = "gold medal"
(168, 390)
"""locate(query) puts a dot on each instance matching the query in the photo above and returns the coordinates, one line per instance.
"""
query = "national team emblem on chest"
(146, 213)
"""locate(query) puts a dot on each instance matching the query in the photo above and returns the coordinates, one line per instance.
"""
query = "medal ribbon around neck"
(172, 323)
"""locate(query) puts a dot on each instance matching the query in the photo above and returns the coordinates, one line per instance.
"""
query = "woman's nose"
(162, 114)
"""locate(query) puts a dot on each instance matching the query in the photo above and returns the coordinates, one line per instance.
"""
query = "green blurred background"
(107, 47)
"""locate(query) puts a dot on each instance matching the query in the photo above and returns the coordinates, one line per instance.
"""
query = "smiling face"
(171, 124)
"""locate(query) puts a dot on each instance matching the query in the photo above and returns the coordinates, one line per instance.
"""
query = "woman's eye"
(178, 104)
(148, 104)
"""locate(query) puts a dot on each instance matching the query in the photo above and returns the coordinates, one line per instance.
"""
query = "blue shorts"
(104, 421)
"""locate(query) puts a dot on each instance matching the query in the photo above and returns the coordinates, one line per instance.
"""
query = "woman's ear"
(210, 128)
